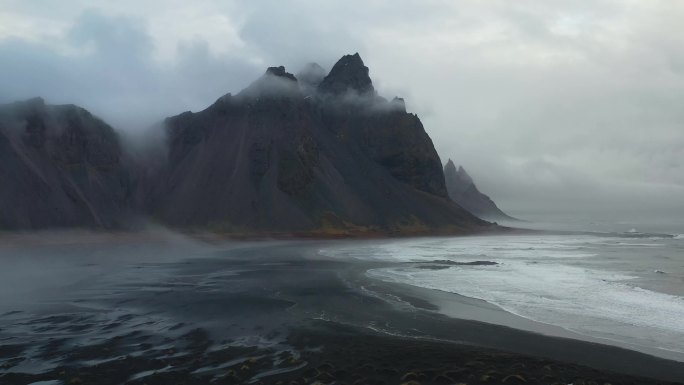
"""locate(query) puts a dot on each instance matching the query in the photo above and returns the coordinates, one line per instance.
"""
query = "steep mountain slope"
(325, 155)
(59, 167)
(328, 156)
(463, 191)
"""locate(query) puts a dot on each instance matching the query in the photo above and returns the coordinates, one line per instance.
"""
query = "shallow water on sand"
(136, 301)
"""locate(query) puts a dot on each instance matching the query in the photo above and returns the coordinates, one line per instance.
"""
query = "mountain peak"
(312, 74)
(35, 105)
(36, 101)
(280, 72)
(463, 191)
(457, 180)
(349, 73)
(398, 104)
(463, 175)
(276, 81)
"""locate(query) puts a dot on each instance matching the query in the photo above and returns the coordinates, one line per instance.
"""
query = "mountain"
(324, 155)
(463, 191)
(59, 167)
(321, 154)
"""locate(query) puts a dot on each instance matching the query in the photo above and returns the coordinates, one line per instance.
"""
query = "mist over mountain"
(323, 155)
(462, 190)
(60, 167)
(563, 106)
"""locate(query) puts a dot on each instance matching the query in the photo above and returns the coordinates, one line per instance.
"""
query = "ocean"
(128, 302)
(617, 282)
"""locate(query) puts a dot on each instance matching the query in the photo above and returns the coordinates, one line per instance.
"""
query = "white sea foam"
(556, 294)
(524, 247)
(559, 280)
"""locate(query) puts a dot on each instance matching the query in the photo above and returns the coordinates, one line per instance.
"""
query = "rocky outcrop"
(349, 74)
(59, 167)
(322, 156)
(281, 157)
(463, 191)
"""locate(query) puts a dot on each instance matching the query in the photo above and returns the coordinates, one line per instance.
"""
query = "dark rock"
(463, 191)
(398, 104)
(348, 74)
(280, 72)
(456, 263)
(275, 83)
(61, 167)
(273, 159)
(433, 267)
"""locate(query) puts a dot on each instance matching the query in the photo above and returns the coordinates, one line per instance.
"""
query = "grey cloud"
(106, 64)
(112, 36)
(547, 104)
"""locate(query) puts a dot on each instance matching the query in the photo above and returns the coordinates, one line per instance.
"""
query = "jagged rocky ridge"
(60, 167)
(323, 154)
(328, 155)
(463, 191)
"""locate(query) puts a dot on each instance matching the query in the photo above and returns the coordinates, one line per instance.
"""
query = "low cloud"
(563, 104)
(107, 64)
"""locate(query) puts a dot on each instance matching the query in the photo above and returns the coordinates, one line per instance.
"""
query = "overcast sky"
(547, 103)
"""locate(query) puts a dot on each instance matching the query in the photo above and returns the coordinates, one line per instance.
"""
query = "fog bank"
(564, 105)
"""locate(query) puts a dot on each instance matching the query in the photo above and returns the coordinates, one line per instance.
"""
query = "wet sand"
(275, 312)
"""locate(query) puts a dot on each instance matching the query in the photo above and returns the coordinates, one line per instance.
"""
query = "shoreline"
(458, 306)
(520, 335)
(56, 235)
(275, 312)
(157, 232)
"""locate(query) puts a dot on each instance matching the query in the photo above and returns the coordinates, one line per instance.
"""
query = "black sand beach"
(272, 313)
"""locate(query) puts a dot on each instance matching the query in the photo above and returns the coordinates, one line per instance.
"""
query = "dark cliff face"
(349, 74)
(382, 130)
(59, 167)
(276, 157)
(463, 191)
(325, 156)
